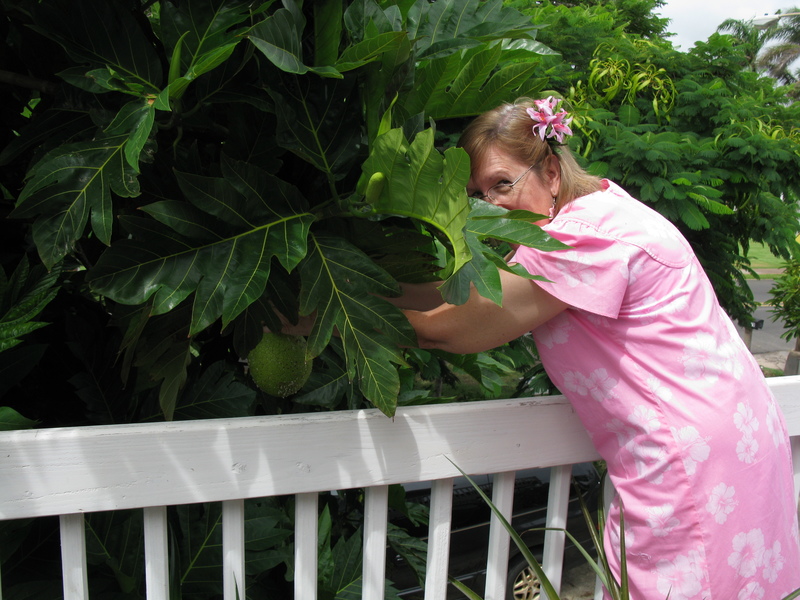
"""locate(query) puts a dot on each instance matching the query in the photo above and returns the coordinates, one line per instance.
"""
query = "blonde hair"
(509, 129)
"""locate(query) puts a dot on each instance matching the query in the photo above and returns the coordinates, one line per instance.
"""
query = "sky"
(693, 20)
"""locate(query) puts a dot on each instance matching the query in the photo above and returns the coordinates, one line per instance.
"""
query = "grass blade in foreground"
(523, 548)
(461, 587)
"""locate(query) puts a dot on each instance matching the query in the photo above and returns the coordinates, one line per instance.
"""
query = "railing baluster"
(305, 546)
(156, 553)
(795, 441)
(557, 508)
(497, 563)
(73, 557)
(441, 513)
(375, 528)
(233, 549)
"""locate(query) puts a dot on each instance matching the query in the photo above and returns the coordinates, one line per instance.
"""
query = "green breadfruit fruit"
(280, 364)
(375, 186)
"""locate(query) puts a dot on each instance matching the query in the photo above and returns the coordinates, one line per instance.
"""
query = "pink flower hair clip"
(547, 122)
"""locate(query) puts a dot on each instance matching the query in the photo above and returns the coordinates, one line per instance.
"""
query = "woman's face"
(507, 182)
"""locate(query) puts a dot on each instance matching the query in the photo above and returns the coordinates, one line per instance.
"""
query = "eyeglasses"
(499, 190)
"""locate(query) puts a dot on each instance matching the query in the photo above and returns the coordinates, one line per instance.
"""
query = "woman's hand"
(303, 326)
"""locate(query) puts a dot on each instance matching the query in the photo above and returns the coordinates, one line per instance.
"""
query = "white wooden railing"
(73, 471)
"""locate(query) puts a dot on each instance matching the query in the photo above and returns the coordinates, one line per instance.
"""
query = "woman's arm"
(418, 296)
(479, 324)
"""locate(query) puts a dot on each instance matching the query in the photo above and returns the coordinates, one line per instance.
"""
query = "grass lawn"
(761, 258)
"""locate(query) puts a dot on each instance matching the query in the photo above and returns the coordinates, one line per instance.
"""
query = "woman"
(630, 331)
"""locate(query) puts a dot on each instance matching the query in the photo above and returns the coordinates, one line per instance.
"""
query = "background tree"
(750, 39)
(699, 136)
(778, 59)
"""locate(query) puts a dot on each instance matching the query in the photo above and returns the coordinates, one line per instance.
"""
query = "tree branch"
(46, 87)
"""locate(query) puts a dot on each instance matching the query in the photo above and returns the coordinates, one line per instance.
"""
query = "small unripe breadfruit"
(279, 364)
(375, 186)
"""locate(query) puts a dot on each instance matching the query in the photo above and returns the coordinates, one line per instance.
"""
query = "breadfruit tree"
(189, 169)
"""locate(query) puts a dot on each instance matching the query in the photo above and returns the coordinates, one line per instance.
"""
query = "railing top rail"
(69, 470)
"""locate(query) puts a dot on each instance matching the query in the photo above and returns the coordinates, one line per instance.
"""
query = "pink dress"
(675, 403)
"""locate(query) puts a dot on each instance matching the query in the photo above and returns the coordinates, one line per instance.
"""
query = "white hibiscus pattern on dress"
(621, 255)
(744, 419)
(577, 269)
(681, 578)
(747, 448)
(598, 384)
(658, 306)
(773, 562)
(700, 358)
(555, 331)
(752, 591)
(774, 425)
(663, 230)
(694, 448)
(748, 552)
(634, 269)
(705, 358)
(645, 418)
(601, 385)
(659, 390)
(721, 502)
(651, 460)
(662, 520)
(624, 432)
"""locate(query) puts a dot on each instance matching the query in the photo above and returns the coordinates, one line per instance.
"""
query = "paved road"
(769, 338)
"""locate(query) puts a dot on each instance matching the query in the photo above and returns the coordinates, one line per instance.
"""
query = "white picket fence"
(73, 471)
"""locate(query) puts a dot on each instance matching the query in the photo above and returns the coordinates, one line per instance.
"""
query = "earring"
(553, 208)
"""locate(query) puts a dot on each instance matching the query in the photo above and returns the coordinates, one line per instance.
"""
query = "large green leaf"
(327, 30)
(447, 26)
(467, 84)
(115, 539)
(347, 556)
(316, 122)
(22, 297)
(136, 120)
(199, 539)
(68, 185)
(423, 184)
(514, 226)
(11, 419)
(200, 549)
(215, 394)
(217, 246)
(341, 284)
(280, 38)
(371, 49)
(122, 51)
(489, 222)
(162, 353)
(199, 36)
(367, 25)
(412, 549)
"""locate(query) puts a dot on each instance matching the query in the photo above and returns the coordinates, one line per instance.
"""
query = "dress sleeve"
(591, 275)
